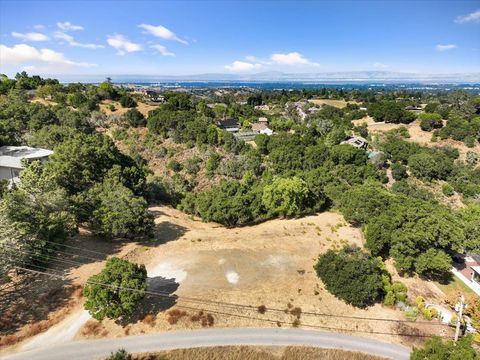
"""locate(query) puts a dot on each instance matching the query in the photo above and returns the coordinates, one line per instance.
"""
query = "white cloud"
(71, 41)
(161, 32)
(31, 36)
(242, 66)
(251, 58)
(472, 17)
(379, 65)
(162, 50)
(293, 58)
(47, 59)
(68, 26)
(122, 44)
(39, 27)
(444, 47)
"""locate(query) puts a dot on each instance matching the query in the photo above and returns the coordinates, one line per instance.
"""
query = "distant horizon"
(341, 77)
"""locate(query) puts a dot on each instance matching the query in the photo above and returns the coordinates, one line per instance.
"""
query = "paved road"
(98, 349)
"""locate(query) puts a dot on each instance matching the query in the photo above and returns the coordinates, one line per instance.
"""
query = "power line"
(251, 307)
(264, 319)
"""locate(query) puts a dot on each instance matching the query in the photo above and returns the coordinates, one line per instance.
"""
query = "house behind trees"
(14, 158)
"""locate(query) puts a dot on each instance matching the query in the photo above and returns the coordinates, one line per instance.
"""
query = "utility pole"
(459, 316)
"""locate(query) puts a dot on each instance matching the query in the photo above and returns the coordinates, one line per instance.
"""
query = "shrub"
(121, 354)
(435, 348)
(447, 190)
(127, 101)
(134, 118)
(430, 121)
(399, 171)
(174, 165)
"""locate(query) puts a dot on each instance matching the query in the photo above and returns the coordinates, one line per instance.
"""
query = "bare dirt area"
(44, 102)
(119, 109)
(259, 275)
(416, 135)
(256, 353)
(337, 103)
(205, 275)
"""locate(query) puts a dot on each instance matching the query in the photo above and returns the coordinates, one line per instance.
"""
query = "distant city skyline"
(232, 37)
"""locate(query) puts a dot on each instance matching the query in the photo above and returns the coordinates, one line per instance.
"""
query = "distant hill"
(351, 76)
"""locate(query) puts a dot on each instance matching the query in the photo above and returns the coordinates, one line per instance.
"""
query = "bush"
(134, 118)
(447, 190)
(399, 171)
(174, 165)
(430, 121)
(435, 348)
(352, 275)
(127, 101)
(121, 354)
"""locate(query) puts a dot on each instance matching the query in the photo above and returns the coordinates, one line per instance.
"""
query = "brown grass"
(149, 319)
(175, 315)
(262, 309)
(296, 312)
(257, 353)
(43, 325)
(92, 328)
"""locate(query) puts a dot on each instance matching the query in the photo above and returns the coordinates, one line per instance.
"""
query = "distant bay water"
(298, 85)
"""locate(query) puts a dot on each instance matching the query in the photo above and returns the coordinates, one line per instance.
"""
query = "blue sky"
(179, 38)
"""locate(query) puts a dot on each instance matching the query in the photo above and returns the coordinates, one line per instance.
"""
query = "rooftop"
(12, 156)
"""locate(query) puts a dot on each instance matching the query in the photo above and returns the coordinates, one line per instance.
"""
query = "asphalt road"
(98, 349)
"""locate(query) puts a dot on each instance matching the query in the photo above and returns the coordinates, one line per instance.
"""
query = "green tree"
(436, 349)
(33, 218)
(430, 121)
(285, 196)
(433, 263)
(116, 290)
(117, 212)
(352, 275)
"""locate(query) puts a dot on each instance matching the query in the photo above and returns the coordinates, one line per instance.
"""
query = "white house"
(267, 131)
(12, 158)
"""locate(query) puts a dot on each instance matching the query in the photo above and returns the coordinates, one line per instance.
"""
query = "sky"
(198, 37)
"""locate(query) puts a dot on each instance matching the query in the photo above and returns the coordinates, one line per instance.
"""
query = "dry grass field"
(337, 103)
(256, 353)
(266, 268)
(206, 275)
(142, 107)
(416, 135)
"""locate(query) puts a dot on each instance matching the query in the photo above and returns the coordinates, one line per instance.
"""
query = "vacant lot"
(205, 275)
(256, 353)
(337, 103)
(258, 275)
(416, 135)
(142, 107)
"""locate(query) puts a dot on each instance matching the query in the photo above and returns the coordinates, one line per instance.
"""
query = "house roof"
(12, 156)
(230, 122)
(259, 126)
(476, 269)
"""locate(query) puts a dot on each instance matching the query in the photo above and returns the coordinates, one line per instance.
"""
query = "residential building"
(13, 158)
(229, 124)
(357, 142)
